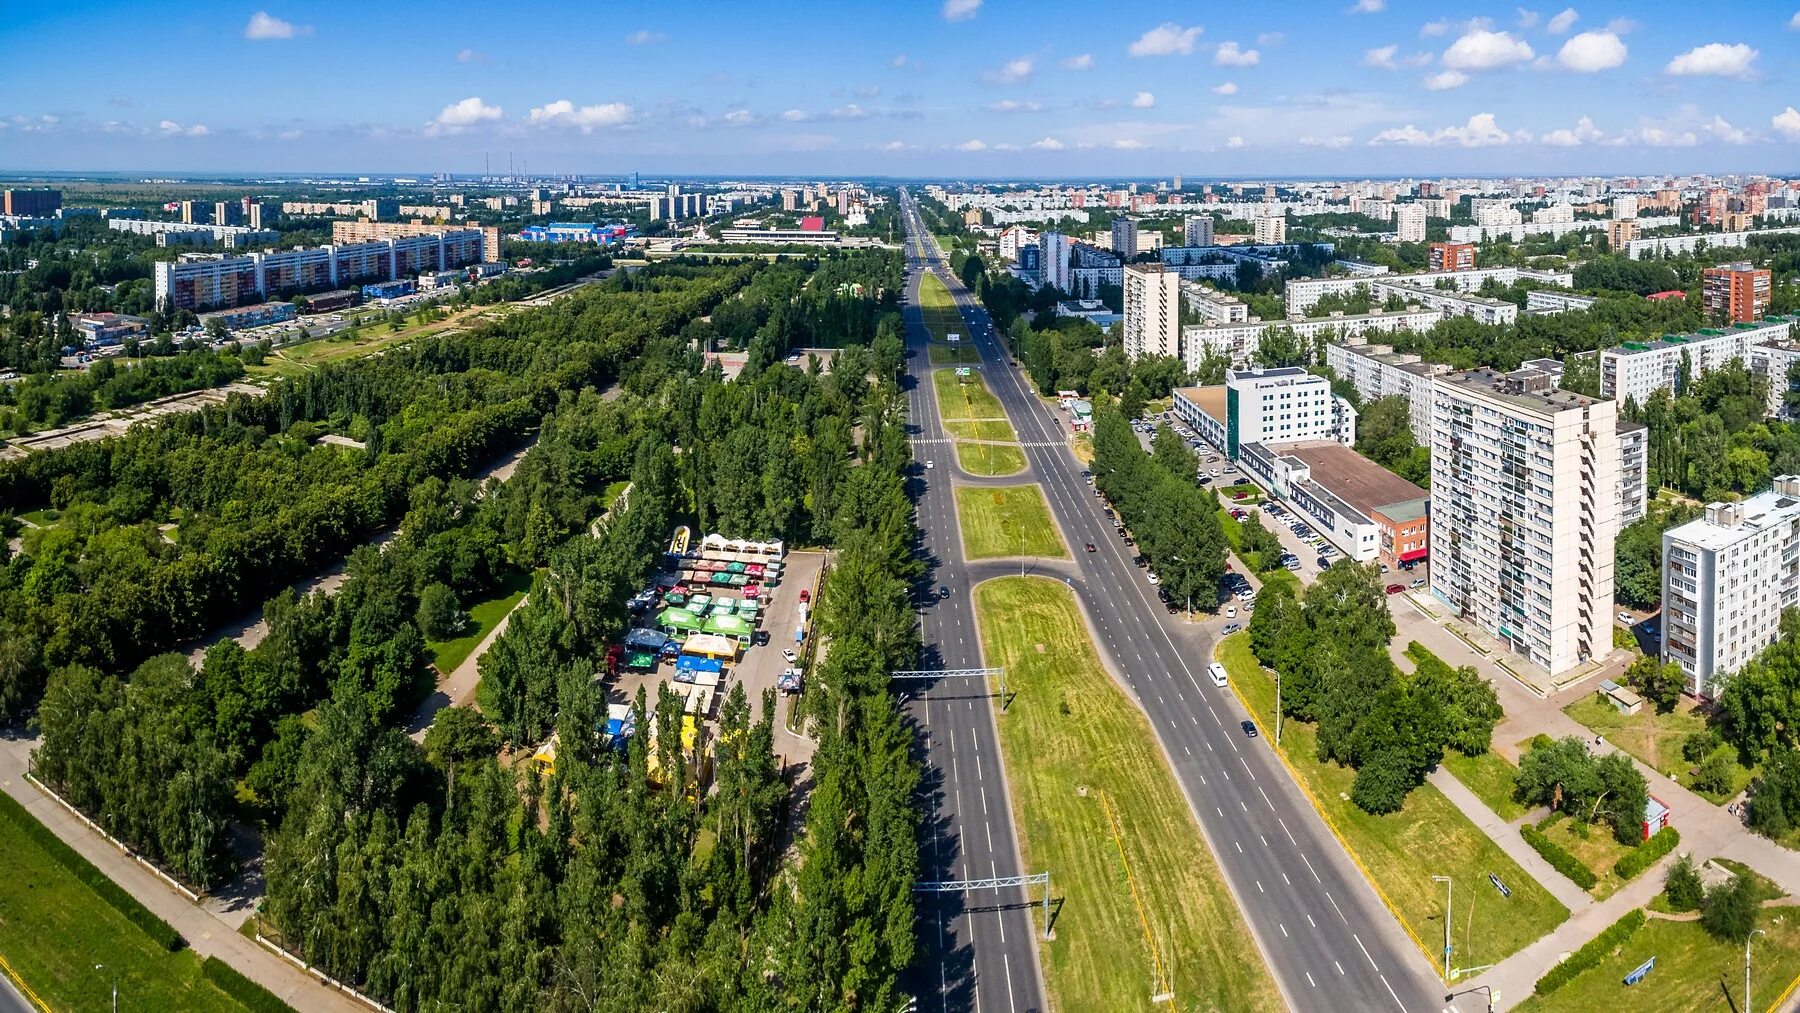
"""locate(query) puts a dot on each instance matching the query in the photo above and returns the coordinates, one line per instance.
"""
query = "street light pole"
(115, 986)
(1753, 934)
(1449, 896)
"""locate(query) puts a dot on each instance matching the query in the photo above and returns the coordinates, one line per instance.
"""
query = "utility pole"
(1278, 708)
(1753, 934)
(1449, 888)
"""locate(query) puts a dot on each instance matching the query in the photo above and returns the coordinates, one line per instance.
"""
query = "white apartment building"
(1012, 239)
(1645, 249)
(1377, 371)
(1498, 217)
(1542, 300)
(1302, 293)
(1638, 368)
(1624, 206)
(1239, 341)
(1214, 306)
(1634, 470)
(1409, 223)
(1525, 510)
(1152, 318)
(1197, 230)
(1053, 259)
(1772, 361)
(1727, 577)
(1450, 304)
(1561, 214)
(1125, 237)
(1272, 229)
(1282, 405)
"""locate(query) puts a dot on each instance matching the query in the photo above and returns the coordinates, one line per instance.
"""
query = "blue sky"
(967, 87)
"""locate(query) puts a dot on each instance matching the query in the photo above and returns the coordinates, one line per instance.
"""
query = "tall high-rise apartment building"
(1271, 229)
(1409, 222)
(1197, 230)
(30, 203)
(1125, 237)
(1524, 512)
(1735, 293)
(1053, 260)
(1152, 318)
(1451, 256)
(1727, 578)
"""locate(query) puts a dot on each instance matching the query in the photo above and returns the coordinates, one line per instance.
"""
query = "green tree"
(1729, 911)
(440, 615)
(1659, 683)
(1682, 885)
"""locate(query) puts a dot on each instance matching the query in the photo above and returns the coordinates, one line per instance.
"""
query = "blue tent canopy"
(690, 663)
(649, 640)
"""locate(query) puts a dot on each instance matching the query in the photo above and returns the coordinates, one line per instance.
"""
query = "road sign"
(962, 371)
(1504, 892)
(1642, 969)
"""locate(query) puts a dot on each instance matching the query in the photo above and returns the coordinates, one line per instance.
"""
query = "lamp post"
(1449, 896)
(115, 986)
(1753, 934)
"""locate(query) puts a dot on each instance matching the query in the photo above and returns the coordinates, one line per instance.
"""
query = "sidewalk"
(1506, 835)
(1517, 975)
(206, 935)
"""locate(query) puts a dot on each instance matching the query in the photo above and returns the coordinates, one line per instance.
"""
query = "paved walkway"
(1506, 835)
(459, 687)
(206, 934)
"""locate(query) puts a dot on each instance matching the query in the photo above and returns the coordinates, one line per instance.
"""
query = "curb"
(38, 1001)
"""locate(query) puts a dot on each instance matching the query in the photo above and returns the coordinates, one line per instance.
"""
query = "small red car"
(1091, 548)
(1394, 589)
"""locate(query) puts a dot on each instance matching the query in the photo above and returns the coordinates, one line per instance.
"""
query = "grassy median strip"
(1069, 735)
(990, 460)
(1693, 971)
(965, 397)
(55, 926)
(1400, 852)
(1006, 520)
(987, 429)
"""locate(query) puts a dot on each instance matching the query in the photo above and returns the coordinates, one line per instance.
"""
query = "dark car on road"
(1394, 589)
(1249, 728)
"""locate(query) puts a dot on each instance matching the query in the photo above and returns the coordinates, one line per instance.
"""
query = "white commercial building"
(1053, 259)
(1281, 405)
(1727, 577)
(1152, 318)
(1197, 230)
(1638, 368)
(1525, 510)
(1409, 223)
(1239, 341)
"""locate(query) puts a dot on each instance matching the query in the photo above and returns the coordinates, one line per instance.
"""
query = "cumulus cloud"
(563, 113)
(1236, 141)
(1446, 80)
(1562, 22)
(739, 118)
(1724, 132)
(1480, 131)
(469, 112)
(1014, 71)
(471, 56)
(795, 116)
(1084, 61)
(1480, 49)
(1013, 105)
(1592, 51)
(1794, 22)
(1787, 123)
(645, 37)
(972, 144)
(1381, 57)
(1229, 55)
(1369, 7)
(264, 25)
(1049, 144)
(1432, 29)
(1143, 100)
(961, 10)
(1584, 133)
(1334, 141)
(1166, 39)
(1128, 144)
(170, 128)
(1227, 88)
(1527, 19)
(1714, 59)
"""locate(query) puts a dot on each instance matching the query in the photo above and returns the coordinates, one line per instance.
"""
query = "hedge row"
(1646, 854)
(1590, 955)
(254, 997)
(1559, 858)
(161, 932)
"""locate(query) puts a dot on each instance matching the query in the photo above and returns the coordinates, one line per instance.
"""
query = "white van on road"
(1218, 673)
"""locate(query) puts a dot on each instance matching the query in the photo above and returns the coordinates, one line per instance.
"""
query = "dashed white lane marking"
(1309, 979)
(1339, 966)
(1309, 868)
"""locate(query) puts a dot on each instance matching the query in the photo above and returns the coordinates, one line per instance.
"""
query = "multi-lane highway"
(1329, 941)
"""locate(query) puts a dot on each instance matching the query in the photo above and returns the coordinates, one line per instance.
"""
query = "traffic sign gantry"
(996, 883)
(956, 673)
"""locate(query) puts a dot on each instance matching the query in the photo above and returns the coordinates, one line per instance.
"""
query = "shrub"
(1714, 775)
(1682, 885)
(1729, 910)
(160, 931)
(1648, 853)
(1591, 954)
(254, 997)
(1558, 858)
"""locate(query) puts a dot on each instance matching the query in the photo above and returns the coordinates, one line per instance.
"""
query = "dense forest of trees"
(1175, 522)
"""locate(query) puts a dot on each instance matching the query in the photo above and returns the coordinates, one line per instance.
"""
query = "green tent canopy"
(729, 626)
(678, 619)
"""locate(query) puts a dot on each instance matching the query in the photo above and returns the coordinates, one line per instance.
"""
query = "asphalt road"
(979, 951)
(1327, 938)
(10, 999)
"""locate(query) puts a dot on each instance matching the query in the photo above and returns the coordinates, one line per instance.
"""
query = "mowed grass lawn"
(54, 929)
(1693, 971)
(1008, 520)
(1402, 851)
(1490, 777)
(1070, 728)
(1655, 739)
(990, 459)
(986, 429)
(447, 654)
(965, 397)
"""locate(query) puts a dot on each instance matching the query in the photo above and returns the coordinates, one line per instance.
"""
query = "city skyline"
(960, 88)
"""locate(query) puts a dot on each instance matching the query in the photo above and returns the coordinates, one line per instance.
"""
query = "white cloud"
(1235, 141)
(1085, 61)
(1431, 29)
(1166, 39)
(1724, 132)
(1527, 19)
(1794, 22)
(471, 56)
(562, 112)
(1584, 133)
(1270, 38)
(1480, 49)
(898, 61)
(1014, 71)
(468, 112)
(1381, 57)
(961, 10)
(1128, 144)
(1013, 105)
(1562, 22)
(1592, 51)
(1621, 26)
(1480, 132)
(1788, 123)
(1048, 144)
(1446, 80)
(1716, 59)
(739, 118)
(972, 144)
(1228, 88)
(795, 116)
(848, 112)
(645, 37)
(1229, 55)
(265, 26)
(1334, 141)
(1143, 100)
(169, 127)
(1656, 136)
(1369, 7)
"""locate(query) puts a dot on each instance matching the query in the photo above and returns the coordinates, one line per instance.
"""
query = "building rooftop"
(1703, 334)
(1210, 400)
(1530, 389)
(1361, 483)
(1725, 524)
